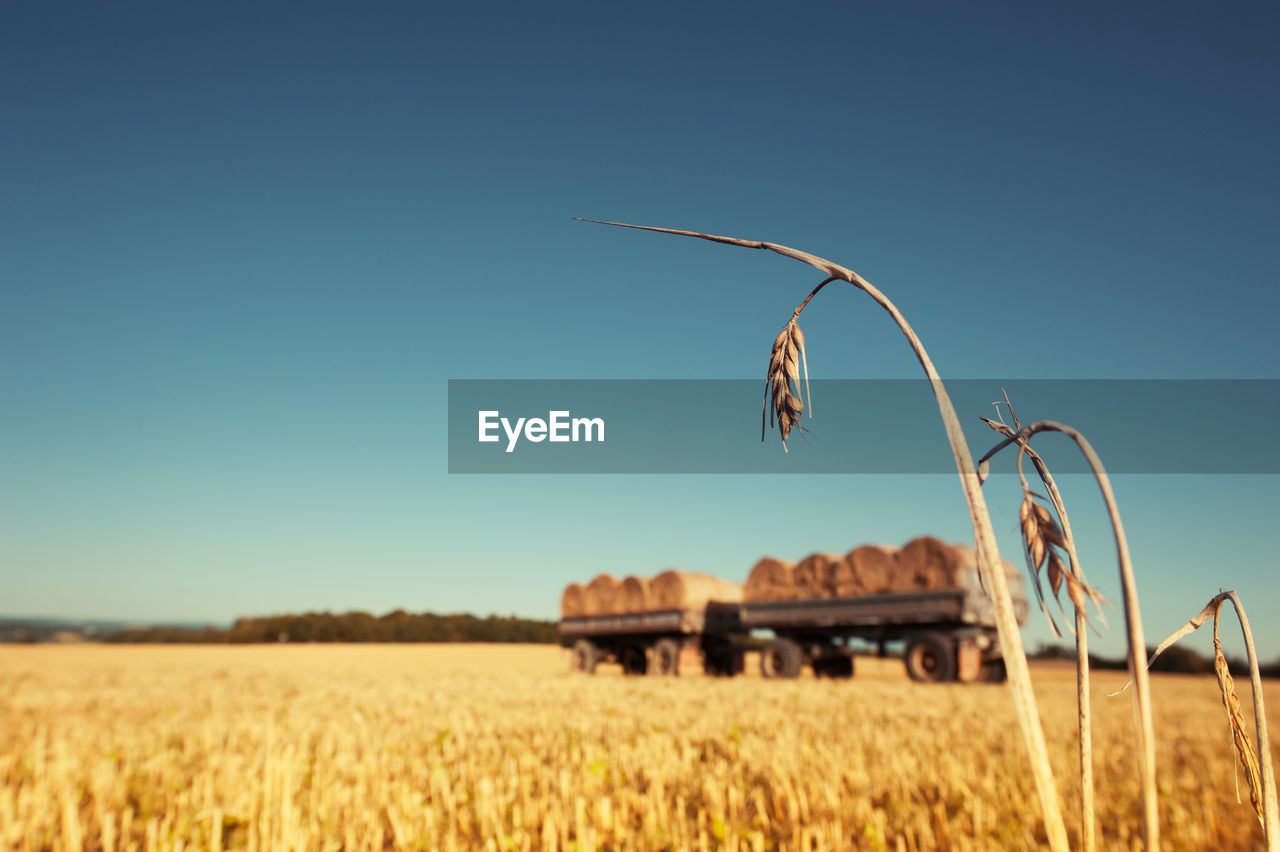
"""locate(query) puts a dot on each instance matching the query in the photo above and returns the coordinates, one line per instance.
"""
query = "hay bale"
(844, 583)
(601, 595)
(685, 590)
(633, 595)
(925, 563)
(815, 575)
(771, 580)
(573, 602)
(869, 570)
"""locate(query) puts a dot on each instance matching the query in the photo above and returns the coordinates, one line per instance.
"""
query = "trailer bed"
(943, 606)
(715, 618)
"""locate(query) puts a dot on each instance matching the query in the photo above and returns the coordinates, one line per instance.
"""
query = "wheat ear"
(784, 371)
(1267, 809)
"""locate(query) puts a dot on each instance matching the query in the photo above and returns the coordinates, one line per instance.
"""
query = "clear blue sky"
(244, 247)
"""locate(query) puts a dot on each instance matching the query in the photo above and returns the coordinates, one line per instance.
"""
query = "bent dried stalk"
(984, 536)
(1267, 809)
(1132, 616)
(1084, 702)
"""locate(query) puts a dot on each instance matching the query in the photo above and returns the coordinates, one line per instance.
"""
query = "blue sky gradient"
(244, 247)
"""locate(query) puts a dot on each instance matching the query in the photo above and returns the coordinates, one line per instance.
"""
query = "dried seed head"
(1235, 718)
(1076, 591)
(1056, 572)
(1045, 546)
(781, 401)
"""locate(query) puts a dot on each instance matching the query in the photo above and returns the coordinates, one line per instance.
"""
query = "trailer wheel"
(993, 671)
(634, 661)
(666, 658)
(931, 658)
(585, 656)
(834, 666)
(722, 663)
(781, 658)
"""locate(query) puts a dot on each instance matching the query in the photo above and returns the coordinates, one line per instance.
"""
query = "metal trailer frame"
(950, 634)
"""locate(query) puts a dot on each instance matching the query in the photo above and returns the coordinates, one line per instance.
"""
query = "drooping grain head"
(783, 403)
(1045, 546)
(1235, 718)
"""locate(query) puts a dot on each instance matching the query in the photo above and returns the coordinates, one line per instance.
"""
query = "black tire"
(993, 671)
(634, 661)
(931, 658)
(585, 656)
(666, 658)
(781, 658)
(722, 663)
(834, 667)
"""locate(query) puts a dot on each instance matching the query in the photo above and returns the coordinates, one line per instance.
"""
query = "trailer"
(651, 642)
(947, 634)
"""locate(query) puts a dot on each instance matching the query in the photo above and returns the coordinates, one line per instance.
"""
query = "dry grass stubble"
(439, 747)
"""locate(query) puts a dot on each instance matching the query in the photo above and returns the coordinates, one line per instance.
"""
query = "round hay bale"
(685, 590)
(633, 595)
(925, 563)
(601, 595)
(871, 567)
(573, 601)
(815, 575)
(771, 580)
(844, 583)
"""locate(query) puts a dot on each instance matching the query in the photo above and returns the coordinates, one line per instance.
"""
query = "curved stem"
(984, 537)
(1132, 616)
(1084, 702)
(1271, 814)
(812, 293)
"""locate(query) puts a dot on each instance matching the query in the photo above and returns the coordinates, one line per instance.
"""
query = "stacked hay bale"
(633, 595)
(669, 590)
(573, 603)
(770, 580)
(921, 564)
(601, 595)
(925, 563)
(685, 590)
(872, 568)
(816, 574)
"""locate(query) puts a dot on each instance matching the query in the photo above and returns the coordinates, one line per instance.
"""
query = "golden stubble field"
(499, 747)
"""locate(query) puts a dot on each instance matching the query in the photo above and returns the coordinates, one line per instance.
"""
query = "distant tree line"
(396, 626)
(1175, 660)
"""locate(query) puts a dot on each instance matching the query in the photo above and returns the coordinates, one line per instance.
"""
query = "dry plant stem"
(1083, 700)
(1271, 813)
(1133, 622)
(1082, 649)
(984, 537)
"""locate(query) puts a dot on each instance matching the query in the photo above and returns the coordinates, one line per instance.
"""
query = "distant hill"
(395, 626)
(35, 629)
(1175, 660)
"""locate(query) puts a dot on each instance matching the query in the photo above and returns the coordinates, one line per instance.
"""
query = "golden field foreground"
(324, 747)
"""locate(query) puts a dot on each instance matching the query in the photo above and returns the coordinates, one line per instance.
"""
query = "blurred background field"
(327, 747)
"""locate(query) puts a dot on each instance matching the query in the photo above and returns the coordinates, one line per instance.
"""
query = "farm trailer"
(949, 634)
